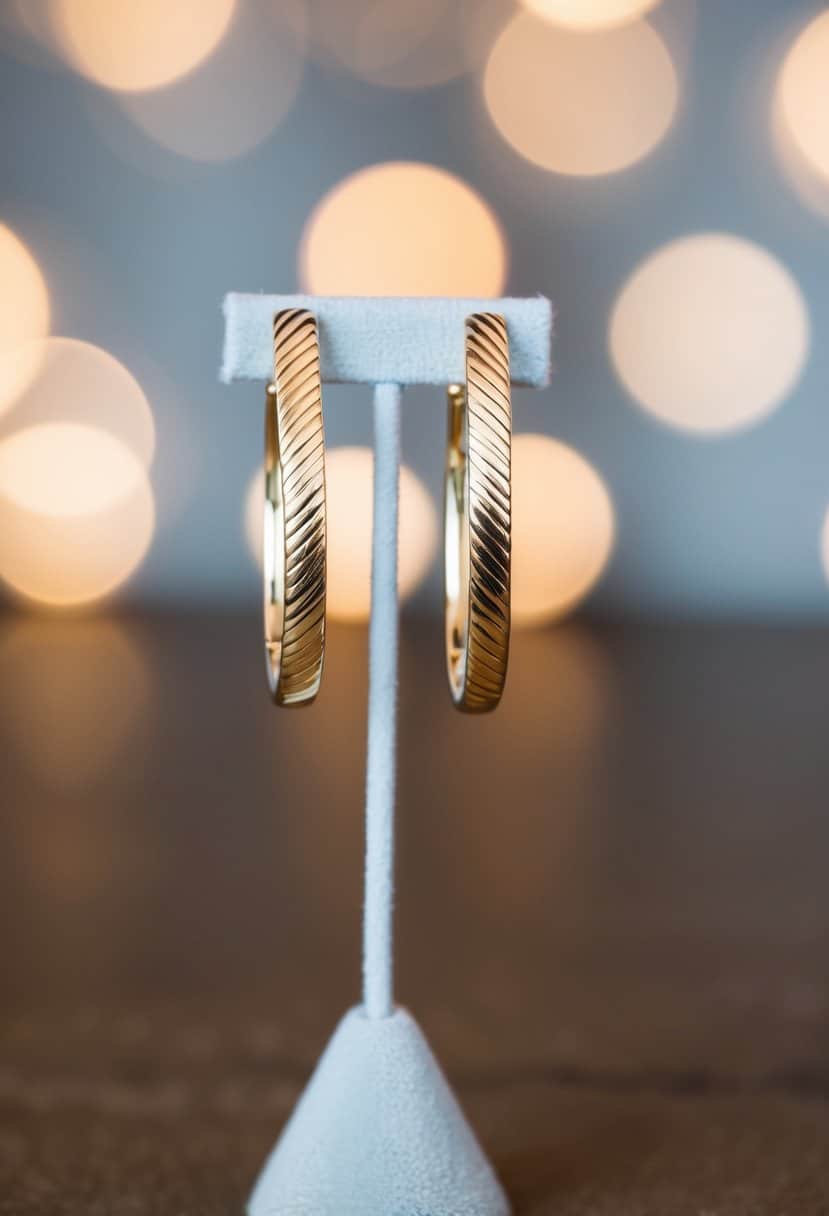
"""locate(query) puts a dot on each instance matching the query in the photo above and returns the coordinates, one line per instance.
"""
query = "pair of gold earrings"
(477, 516)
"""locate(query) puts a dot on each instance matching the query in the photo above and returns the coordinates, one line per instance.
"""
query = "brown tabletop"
(613, 911)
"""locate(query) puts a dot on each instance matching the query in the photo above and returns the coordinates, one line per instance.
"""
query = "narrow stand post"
(378, 1129)
(378, 998)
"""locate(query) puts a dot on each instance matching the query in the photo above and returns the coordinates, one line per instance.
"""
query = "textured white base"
(378, 1132)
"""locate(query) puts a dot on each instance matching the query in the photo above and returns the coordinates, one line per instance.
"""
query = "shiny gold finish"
(477, 523)
(294, 533)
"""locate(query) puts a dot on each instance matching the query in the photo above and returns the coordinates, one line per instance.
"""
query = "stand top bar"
(377, 340)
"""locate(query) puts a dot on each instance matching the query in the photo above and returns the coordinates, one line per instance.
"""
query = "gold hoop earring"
(478, 519)
(294, 532)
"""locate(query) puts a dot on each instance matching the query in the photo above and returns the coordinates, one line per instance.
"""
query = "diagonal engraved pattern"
(489, 419)
(300, 439)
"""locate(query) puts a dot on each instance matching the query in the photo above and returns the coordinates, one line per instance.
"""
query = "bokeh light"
(800, 114)
(24, 316)
(580, 103)
(66, 468)
(81, 383)
(76, 513)
(824, 545)
(349, 473)
(238, 96)
(590, 14)
(710, 333)
(403, 46)
(75, 693)
(563, 528)
(125, 45)
(406, 229)
(803, 91)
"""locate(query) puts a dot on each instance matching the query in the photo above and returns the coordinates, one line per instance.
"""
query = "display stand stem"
(378, 999)
(378, 1129)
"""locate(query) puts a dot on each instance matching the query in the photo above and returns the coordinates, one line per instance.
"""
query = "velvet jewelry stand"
(378, 1131)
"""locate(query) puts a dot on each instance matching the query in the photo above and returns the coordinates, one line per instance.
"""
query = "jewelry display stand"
(378, 1131)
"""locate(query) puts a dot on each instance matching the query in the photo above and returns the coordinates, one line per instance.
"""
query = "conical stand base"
(378, 1132)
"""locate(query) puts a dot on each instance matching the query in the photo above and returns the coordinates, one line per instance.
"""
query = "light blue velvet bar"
(377, 340)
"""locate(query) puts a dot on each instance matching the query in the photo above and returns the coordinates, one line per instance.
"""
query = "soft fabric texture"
(382, 708)
(378, 1132)
(375, 340)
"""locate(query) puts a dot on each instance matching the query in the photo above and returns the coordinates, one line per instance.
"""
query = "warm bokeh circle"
(133, 45)
(24, 316)
(562, 528)
(709, 333)
(403, 228)
(76, 512)
(590, 14)
(803, 93)
(576, 103)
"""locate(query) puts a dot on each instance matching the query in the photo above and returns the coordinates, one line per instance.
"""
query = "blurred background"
(661, 170)
(613, 915)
